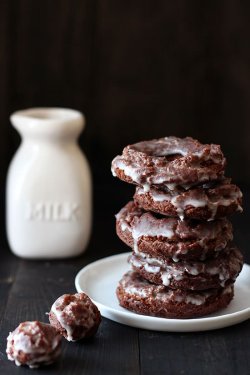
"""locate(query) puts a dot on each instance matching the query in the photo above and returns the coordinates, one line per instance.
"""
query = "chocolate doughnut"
(169, 161)
(33, 344)
(75, 316)
(203, 203)
(165, 237)
(212, 273)
(138, 295)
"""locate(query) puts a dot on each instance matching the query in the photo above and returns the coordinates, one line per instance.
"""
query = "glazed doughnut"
(75, 316)
(184, 264)
(164, 237)
(33, 344)
(197, 275)
(169, 161)
(137, 294)
(202, 203)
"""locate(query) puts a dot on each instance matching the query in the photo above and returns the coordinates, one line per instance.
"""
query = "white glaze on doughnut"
(134, 286)
(172, 231)
(28, 339)
(150, 162)
(168, 270)
(183, 200)
(146, 227)
(64, 313)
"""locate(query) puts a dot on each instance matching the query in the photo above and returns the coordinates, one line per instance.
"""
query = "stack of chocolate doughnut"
(184, 263)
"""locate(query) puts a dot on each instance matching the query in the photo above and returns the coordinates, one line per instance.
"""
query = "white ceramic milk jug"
(48, 186)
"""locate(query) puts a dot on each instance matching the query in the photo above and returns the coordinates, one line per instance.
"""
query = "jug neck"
(50, 124)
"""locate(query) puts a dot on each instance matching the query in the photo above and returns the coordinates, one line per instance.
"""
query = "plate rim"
(184, 325)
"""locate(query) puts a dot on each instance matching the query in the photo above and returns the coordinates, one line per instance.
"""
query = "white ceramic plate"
(100, 279)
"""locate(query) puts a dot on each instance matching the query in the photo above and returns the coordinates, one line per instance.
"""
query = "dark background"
(137, 69)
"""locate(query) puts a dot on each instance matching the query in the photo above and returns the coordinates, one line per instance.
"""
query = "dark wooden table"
(28, 288)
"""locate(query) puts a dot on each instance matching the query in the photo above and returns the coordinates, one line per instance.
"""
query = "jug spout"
(51, 123)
